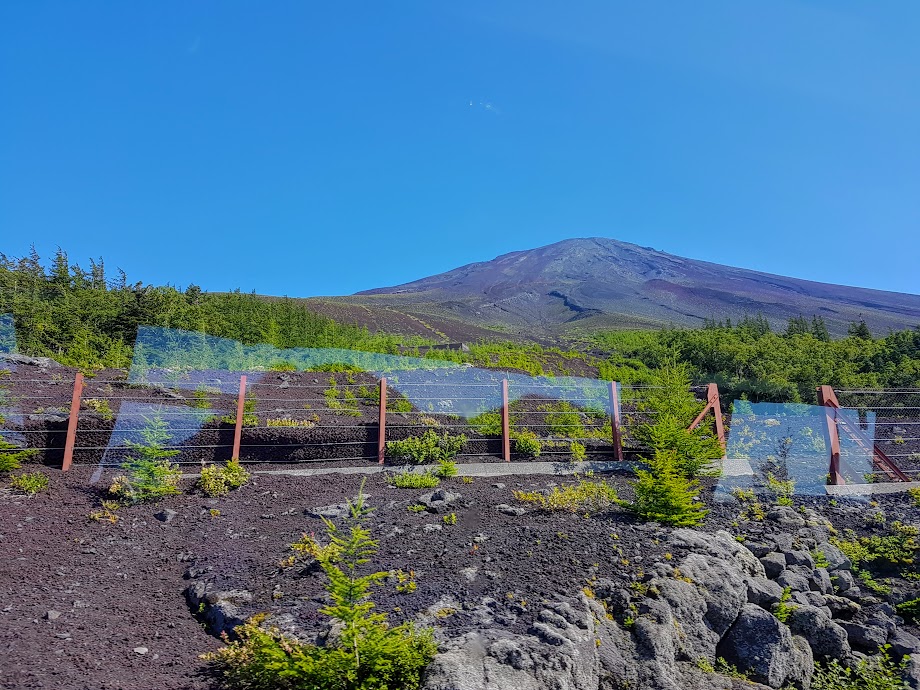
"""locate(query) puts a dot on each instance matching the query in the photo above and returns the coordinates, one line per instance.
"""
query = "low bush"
(149, 475)
(910, 609)
(584, 497)
(12, 456)
(30, 483)
(218, 481)
(100, 407)
(429, 447)
(665, 495)
(446, 469)
(368, 654)
(879, 672)
(414, 480)
(578, 451)
(526, 443)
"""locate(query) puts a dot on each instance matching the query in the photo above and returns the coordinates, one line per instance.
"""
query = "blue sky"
(323, 148)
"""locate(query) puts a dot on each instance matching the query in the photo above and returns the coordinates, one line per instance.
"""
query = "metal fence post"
(615, 420)
(716, 401)
(72, 422)
(240, 405)
(382, 422)
(506, 423)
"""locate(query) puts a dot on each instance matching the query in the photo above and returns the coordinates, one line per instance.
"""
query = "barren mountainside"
(599, 282)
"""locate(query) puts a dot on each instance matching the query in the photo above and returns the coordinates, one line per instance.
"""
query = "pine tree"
(664, 495)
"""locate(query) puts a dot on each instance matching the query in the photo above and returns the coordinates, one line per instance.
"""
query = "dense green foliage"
(149, 475)
(879, 672)
(29, 483)
(664, 495)
(219, 480)
(367, 654)
(83, 319)
(751, 361)
(429, 447)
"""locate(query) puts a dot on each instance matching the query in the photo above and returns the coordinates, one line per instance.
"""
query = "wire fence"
(313, 416)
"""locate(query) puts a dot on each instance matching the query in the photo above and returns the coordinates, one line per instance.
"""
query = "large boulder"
(759, 643)
(558, 652)
(220, 610)
(826, 639)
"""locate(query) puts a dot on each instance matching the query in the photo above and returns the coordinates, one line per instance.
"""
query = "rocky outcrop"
(718, 604)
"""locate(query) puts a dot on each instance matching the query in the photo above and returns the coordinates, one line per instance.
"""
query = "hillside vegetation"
(82, 319)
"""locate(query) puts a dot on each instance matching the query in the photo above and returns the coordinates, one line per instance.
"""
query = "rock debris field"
(519, 598)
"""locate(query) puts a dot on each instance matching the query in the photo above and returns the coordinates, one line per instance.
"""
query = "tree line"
(83, 318)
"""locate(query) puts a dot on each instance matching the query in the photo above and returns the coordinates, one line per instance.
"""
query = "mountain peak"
(603, 282)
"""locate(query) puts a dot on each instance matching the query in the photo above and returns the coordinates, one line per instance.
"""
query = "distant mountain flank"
(585, 284)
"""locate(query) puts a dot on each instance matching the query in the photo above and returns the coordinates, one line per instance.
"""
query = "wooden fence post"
(506, 423)
(615, 420)
(72, 422)
(238, 430)
(382, 422)
(828, 400)
(714, 403)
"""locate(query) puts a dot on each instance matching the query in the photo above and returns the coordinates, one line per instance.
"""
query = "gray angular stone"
(335, 511)
(836, 559)
(438, 500)
(820, 581)
(902, 643)
(841, 607)
(14, 358)
(827, 639)
(763, 592)
(165, 515)
(794, 579)
(843, 580)
(758, 642)
(220, 610)
(773, 564)
(721, 586)
(785, 517)
(799, 558)
(866, 638)
(510, 510)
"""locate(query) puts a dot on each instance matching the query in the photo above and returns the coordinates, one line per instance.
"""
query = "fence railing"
(322, 416)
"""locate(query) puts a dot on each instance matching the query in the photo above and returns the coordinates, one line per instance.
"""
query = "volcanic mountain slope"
(603, 283)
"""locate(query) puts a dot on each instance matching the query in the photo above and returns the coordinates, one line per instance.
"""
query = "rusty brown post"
(506, 423)
(382, 422)
(238, 430)
(72, 422)
(716, 403)
(615, 419)
(828, 400)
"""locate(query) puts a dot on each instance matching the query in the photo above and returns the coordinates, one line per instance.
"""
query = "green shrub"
(446, 469)
(665, 495)
(783, 609)
(413, 480)
(674, 407)
(149, 474)
(487, 423)
(915, 493)
(878, 672)
(367, 655)
(282, 366)
(249, 413)
(200, 399)
(100, 407)
(30, 483)
(584, 497)
(526, 443)
(399, 405)
(218, 481)
(563, 419)
(578, 450)
(429, 447)
(11, 455)
(910, 609)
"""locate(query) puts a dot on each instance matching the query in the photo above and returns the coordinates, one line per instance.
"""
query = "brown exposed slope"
(599, 282)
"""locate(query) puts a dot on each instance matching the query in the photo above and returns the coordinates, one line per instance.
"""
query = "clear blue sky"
(308, 148)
